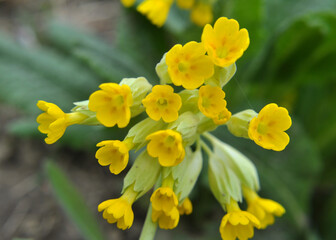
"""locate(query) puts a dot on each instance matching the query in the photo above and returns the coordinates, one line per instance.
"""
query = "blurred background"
(61, 50)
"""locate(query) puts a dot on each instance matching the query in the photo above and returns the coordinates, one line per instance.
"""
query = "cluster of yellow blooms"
(157, 11)
(170, 136)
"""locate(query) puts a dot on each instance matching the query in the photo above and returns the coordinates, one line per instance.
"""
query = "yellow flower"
(185, 4)
(201, 14)
(120, 210)
(54, 121)
(163, 103)
(128, 3)
(167, 146)
(225, 43)
(185, 207)
(164, 199)
(166, 220)
(112, 104)
(113, 153)
(268, 128)
(237, 223)
(188, 65)
(156, 10)
(212, 104)
(263, 209)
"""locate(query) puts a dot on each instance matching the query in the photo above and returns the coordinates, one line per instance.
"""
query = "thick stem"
(149, 228)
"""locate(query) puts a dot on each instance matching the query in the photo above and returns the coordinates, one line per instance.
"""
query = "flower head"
(164, 199)
(261, 208)
(201, 14)
(113, 153)
(156, 10)
(120, 210)
(185, 4)
(166, 220)
(185, 207)
(112, 104)
(237, 223)
(167, 146)
(188, 65)
(163, 103)
(212, 104)
(54, 121)
(268, 128)
(128, 3)
(225, 43)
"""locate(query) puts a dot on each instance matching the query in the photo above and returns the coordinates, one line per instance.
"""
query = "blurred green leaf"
(72, 202)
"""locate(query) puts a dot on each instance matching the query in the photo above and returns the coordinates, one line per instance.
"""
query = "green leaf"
(72, 202)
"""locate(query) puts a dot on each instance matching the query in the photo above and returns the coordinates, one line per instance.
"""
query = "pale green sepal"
(141, 130)
(139, 88)
(222, 75)
(238, 124)
(190, 101)
(187, 172)
(205, 124)
(82, 107)
(239, 163)
(186, 124)
(223, 182)
(143, 174)
(162, 71)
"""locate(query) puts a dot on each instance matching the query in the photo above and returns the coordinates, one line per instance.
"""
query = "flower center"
(221, 52)
(182, 66)
(206, 102)
(162, 102)
(262, 128)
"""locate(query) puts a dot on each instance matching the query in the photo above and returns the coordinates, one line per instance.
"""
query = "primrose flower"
(188, 65)
(212, 104)
(167, 146)
(156, 10)
(263, 209)
(185, 207)
(201, 14)
(225, 43)
(268, 128)
(185, 4)
(119, 210)
(112, 104)
(113, 153)
(166, 220)
(54, 121)
(128, 3)
(163, 103)
(237, 223)
(164, 199)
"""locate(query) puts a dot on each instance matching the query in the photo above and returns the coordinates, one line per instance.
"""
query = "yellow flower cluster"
(157, 11)
(169, 134)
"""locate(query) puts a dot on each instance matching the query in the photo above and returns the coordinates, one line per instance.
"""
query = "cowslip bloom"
(113, 153)
(164, 199)
(268, 128)
(166, 220)
(225, 43)
(263, 209)
(212, 104)
(54, 121)
(167, 146)
(119, 210)
(185, 207)
(156, 10)
(128, 3)
(222, 117)
(201, 14)
(163, 103)
(188, 65)
(237, 223)
(112, 104)
(185, 4)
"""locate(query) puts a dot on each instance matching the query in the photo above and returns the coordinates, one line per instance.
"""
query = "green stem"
(206, 148)
(149, 227)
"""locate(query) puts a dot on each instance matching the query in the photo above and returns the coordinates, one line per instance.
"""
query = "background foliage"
(291, 61)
